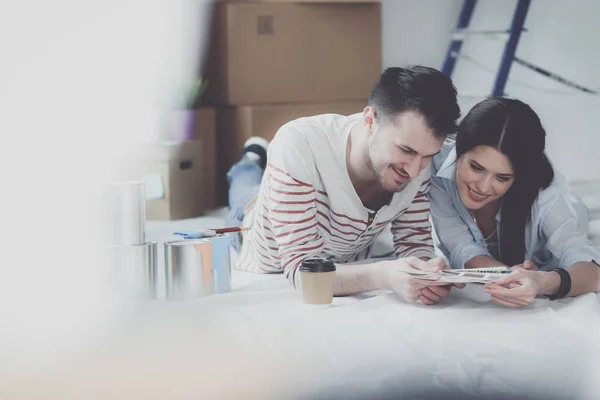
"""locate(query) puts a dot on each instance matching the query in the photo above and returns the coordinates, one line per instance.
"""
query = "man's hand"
(413, 289)
(433, 294)
(517, 289)
(441, 264)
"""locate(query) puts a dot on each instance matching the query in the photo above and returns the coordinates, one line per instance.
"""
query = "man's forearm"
(353, 279)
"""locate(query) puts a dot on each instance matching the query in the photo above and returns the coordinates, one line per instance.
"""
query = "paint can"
(133, 269)
(196, 268)
(123, 213)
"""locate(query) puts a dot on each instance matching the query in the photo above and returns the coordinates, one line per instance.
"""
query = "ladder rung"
(460, 34)
(473, 95)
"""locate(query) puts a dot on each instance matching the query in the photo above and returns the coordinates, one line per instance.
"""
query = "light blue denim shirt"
(555, 236)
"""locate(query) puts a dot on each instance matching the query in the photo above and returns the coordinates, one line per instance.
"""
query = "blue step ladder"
(509, 49)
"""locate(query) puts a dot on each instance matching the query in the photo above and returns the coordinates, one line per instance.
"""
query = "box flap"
(301, 1)
(165, 151)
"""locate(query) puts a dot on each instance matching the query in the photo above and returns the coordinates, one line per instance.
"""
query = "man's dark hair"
(417, 88)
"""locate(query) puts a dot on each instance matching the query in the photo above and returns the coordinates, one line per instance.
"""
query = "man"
(332, 183)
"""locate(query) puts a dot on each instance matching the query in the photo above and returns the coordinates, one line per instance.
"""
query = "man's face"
(400, 148)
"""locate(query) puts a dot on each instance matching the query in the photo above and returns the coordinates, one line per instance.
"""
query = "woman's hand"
(517, 289)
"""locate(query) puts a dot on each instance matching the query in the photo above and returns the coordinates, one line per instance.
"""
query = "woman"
(496, 200)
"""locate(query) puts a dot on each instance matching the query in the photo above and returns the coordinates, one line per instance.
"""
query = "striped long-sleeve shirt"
(307, 205)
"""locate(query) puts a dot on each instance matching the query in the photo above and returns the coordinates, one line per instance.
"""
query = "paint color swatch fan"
(471, 275)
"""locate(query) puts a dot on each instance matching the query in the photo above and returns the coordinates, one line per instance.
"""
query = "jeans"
(244, 183)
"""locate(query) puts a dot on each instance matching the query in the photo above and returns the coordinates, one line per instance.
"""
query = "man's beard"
(379, 174)
(380, 177)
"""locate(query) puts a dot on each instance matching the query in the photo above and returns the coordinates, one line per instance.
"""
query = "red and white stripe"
(294, 218)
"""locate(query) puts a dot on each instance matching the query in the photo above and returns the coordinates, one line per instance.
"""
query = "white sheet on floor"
(261, 342)
(377, 342)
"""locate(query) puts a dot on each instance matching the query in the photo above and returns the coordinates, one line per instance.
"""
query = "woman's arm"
(585, 278)
(569, 243)
(561, 228)
(522, 286)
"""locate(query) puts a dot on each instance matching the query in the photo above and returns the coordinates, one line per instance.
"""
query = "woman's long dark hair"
(514, 129)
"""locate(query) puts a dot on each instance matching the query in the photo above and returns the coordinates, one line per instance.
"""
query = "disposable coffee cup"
(317, 276)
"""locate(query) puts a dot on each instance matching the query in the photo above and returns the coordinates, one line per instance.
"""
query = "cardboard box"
(266, 53)
(236, 124)
(198, 124)
(206, 131)
(173, 174)
(300, 1)
(190, 124)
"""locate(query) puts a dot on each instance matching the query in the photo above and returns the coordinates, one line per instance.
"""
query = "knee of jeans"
(236, 241)
(244, 166)
(234, 168)
(231, 218)
(239, 216)
(234, 217)
(229, 174)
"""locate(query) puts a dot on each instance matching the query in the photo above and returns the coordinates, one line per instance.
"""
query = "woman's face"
(483, 175)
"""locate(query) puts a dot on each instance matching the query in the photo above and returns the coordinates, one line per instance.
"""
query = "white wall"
(562, 37)
(417, 31)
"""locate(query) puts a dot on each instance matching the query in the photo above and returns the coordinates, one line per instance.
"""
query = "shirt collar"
(448, 168)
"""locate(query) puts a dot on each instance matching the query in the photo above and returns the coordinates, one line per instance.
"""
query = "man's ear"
(369, 119)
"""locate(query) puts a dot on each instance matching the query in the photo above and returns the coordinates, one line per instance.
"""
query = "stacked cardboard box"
(174, 179)
(273, 61)
(179, 171)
